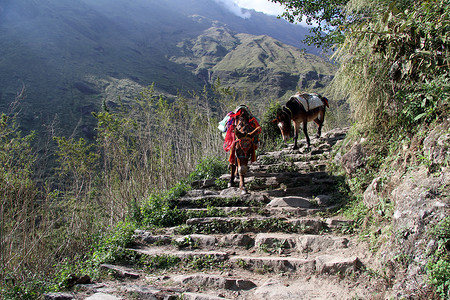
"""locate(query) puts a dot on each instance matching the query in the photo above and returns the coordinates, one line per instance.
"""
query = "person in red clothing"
(241, 111)
(241, 139)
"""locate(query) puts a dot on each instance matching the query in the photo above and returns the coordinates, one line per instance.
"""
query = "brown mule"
(294, 112)
(243, 151)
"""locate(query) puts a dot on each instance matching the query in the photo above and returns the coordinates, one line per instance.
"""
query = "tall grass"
(141, 148)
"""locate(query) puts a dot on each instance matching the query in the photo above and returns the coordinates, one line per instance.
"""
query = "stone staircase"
(281, 241)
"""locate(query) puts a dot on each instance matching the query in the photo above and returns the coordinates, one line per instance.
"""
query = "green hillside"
(72, 56)
(260, 66)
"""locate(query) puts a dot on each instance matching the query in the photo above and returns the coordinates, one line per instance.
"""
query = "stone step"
(267, 211)
(331, 263)
(300, 167)
(228, 197)
(300, 243)
(325, 264)
(281, 242)
(120, 271)
(215, 281)
(307, 191)
(150, 251)
(255, 224)
(199, 296)
(257, 182)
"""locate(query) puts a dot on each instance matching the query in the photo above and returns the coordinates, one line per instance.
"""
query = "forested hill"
(377, 200)
(73, 55)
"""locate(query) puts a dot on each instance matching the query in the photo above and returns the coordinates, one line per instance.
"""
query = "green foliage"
(159, 212)
(177, 191)
(31, 289)
(208, 168)
(221, 184)
(205, 262)
(111, 247)
(159, 261)
(438, 266)
(77, 163)
(394, 64)
(357, 211)
(187, 242)
(439, 275)
(327, 16)
(16, 166)
(270, 135)
(426, 103)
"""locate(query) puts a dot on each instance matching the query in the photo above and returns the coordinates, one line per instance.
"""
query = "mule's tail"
(325, 100)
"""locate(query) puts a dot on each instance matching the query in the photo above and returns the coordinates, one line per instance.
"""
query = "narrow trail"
(281, 241)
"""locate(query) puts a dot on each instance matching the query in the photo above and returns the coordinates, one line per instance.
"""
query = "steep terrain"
(259, 65)
(73, 55)
(278, 242)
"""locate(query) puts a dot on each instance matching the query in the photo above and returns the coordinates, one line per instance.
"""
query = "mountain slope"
(72, 55)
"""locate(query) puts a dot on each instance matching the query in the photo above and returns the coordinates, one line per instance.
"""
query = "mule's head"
(245, 134)
(283, 121)
(242, 126)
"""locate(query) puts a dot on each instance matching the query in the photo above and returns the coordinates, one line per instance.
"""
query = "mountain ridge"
(68, 54)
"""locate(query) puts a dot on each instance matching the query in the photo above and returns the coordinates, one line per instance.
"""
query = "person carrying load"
(228, 126)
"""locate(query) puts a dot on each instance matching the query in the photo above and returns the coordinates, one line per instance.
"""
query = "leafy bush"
(160, 208)
(112, 246)
(208, 168)
(438, 266)
(30, 289)
(394, 64)
(159, 261)
(270, 135)
(427, 103)
(159, 212)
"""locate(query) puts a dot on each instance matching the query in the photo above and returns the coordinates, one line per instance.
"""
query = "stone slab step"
(102, 296)
(329, 264)
(255, 224)
(267, 211)
(291, 201)
(198, 296)
(215, 282)
(157, 251)
(121, 271)
(325, 264)
(274, 264)
(282, 242)
(301, 243)
(228, 197)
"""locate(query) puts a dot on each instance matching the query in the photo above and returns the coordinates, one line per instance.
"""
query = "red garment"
(230, 137)
(230, 141)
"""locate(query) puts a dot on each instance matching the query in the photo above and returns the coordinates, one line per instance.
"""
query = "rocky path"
(281, 241)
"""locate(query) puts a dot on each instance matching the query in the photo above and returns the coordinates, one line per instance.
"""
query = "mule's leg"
(305, 131)
(233, 174)
(242, 172)
(295, 136)
(242, 184)
(319, 121)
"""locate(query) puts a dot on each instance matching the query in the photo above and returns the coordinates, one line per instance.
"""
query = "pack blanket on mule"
(227, 126)
(308, 101)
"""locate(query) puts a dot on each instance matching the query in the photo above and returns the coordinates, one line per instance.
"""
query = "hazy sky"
(264, 6)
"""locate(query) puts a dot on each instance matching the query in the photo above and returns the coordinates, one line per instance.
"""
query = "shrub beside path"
(284, 240)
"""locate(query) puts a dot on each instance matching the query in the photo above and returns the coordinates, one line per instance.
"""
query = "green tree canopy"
(328, 16)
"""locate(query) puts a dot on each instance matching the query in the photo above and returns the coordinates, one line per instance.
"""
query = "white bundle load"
(308, 101)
